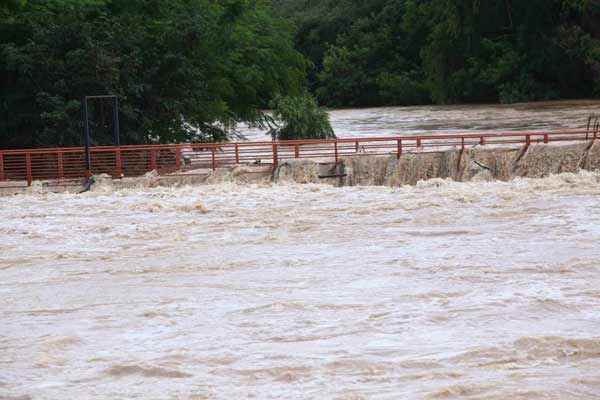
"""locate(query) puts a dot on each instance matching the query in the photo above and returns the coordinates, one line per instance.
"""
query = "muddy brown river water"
(431, 120)
(439, 291)
(481, 290)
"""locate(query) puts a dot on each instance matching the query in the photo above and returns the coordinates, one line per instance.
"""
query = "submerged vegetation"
(189, 70)
(300, 117)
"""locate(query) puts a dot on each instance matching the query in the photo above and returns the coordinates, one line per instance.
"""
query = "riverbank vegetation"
(183, 69)
(299, 117)
(191, 69)
(402, 52)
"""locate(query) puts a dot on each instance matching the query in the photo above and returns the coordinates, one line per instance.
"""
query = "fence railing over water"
(62, 164)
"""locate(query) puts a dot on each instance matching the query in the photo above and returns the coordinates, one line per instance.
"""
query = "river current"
(479, 290)
(432, 120)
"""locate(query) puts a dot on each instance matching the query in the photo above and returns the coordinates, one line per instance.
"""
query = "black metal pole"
(86, 138)
(116, 132)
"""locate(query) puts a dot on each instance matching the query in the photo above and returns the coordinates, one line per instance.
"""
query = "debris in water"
(201, 207)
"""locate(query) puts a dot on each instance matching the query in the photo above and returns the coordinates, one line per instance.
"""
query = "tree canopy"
(381, 52)
(189, 70)
(183, 69)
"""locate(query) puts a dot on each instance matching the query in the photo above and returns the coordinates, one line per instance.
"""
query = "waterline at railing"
(60, 164)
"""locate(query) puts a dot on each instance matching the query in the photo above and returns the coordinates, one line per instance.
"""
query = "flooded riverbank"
(421, 120)
(442, 290)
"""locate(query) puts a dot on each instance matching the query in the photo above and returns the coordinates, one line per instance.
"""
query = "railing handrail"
(132, 160)
(434, 137)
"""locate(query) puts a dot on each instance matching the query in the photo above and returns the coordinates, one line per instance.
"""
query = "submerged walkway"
(22, 167)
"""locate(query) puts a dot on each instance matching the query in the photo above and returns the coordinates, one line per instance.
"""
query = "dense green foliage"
(174, 65)
(191, 69)
(300, 117)
(381, 52)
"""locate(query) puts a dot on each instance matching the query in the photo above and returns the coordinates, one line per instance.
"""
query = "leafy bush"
(300, 117)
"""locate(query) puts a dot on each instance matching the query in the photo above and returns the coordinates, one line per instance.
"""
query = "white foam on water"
(440, 290)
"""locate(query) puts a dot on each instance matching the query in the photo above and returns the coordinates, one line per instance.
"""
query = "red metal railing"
(63, 164)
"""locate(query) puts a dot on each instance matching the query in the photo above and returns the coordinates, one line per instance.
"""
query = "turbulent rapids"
(439, 290)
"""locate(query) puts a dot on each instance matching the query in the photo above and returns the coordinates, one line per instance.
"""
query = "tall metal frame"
(86, 127)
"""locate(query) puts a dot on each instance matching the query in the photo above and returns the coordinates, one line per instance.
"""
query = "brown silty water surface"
(440, 290)
(421, 120)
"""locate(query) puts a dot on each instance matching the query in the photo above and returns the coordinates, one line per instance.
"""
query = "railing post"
(296, 151)
(28, 168)
(527, 140)
(237, 153)
(482, 141)
(61, 168)
(152, 159)
(462, 143)
(546, 138)
(178, 157)
(213, 159)
(356, 146)
(275, 156)
(399, 154)
(335, 147)
(418, 142)
(1, 166)
(119, 162)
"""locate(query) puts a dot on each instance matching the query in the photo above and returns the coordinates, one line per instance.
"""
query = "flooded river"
(423, 120)
(444, 290)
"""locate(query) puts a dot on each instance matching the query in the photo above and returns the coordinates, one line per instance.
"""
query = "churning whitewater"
(442, 290)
